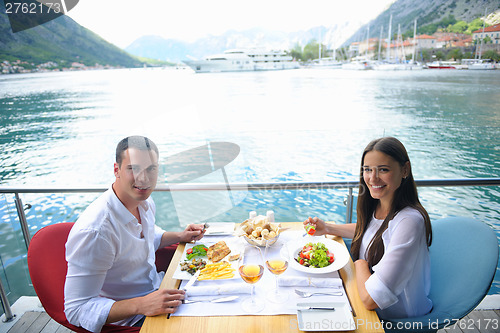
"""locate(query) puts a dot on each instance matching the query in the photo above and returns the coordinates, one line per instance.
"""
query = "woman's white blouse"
(401, 282)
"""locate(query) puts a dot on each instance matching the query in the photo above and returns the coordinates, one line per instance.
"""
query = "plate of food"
(316, 255)
(216, 261)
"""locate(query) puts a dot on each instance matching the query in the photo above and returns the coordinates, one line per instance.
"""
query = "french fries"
(217, 271)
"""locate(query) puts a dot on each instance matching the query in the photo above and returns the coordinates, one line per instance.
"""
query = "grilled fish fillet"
(218, 251)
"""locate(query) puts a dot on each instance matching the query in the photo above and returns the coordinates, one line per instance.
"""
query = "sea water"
(306, 125)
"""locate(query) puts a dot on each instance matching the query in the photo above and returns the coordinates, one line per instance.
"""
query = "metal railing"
(350, 185)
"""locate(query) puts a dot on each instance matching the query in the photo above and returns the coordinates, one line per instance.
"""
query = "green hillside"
(429, 14)
(61, 40)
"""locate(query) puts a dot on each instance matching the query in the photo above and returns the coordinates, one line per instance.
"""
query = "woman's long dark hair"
(405, 196)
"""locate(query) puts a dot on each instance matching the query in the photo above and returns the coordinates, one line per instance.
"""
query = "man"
(110, 250)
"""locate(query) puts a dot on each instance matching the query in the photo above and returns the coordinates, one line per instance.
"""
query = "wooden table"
(366, 321)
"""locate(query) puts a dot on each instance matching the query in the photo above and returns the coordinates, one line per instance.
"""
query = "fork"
(309, 294)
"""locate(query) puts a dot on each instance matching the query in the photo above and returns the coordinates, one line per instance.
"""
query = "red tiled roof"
(493, 28)
(425, 37)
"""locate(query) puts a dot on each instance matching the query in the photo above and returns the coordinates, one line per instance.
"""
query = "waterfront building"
(493, 32)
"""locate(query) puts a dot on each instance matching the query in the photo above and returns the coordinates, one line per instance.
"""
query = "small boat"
(479, 64)
(357, 65)
(243, 60)
(325, 63)
(388, 66)
(446, 65)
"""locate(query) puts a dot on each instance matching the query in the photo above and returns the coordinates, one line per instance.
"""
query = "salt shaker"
(270, 216)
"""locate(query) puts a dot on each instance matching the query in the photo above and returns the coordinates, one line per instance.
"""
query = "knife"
(192, 280)
(329, 308)
(213, 300)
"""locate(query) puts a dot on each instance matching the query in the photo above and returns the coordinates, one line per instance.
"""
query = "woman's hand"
(319, 224)
(323, 228)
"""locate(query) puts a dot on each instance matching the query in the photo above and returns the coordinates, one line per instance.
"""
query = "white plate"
(325, 320)
(220, 228)
(339, 251)
(184, 275)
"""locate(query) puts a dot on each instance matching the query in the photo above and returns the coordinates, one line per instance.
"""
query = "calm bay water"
(61, 129)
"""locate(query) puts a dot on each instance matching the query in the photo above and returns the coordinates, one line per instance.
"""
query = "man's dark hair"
(137, 142)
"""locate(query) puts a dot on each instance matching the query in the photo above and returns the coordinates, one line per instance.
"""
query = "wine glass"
(276, 265)
(251, 269)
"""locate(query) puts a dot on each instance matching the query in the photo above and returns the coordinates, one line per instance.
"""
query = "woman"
(391, 235)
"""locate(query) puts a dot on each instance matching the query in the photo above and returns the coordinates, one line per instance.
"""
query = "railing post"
(6, 305)
(348, 214)
(22, 220)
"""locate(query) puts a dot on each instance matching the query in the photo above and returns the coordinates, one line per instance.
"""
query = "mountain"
(61, 40)
(175, 50)
(404, 12)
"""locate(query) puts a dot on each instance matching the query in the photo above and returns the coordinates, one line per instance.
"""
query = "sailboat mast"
(414, 42)
(399, 45)
(388, 54)
(319, 57)
(482, 35)
(367, 42)
(380, 41)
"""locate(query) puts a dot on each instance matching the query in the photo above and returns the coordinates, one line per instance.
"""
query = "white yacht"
(243, 60)
(325, 63)
(479, 64)
(357, 65)
(389, 66)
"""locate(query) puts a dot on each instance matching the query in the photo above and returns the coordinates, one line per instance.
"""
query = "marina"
(302, 126)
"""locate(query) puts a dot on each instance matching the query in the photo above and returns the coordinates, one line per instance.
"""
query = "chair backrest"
(464, 257)
(48, 267)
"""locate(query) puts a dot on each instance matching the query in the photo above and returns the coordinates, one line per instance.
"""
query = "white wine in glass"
(251, 269)
(276, 265)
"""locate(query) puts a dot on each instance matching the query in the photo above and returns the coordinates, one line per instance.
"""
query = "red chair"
(47, 266)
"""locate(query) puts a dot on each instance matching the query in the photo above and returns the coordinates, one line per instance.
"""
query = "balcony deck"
(476, 321)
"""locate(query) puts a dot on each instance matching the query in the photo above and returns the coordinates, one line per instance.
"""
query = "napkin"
(218, 228)
(305, 281)
(223, 289)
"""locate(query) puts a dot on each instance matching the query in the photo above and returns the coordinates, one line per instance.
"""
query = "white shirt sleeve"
(89, 257)
(158, 234)
(402, 242)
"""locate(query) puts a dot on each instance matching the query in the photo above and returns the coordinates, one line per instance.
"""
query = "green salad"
(315, 255)
(196, 251)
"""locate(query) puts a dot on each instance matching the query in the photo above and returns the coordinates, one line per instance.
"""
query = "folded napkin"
(304, 281)
(224, 289)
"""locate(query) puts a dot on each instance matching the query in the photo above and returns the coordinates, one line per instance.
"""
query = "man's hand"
(193, 232)
(161, 301)
(158, 302)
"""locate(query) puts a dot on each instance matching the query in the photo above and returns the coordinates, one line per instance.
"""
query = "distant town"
(435, 46)
(18, 66)
(424, 48)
